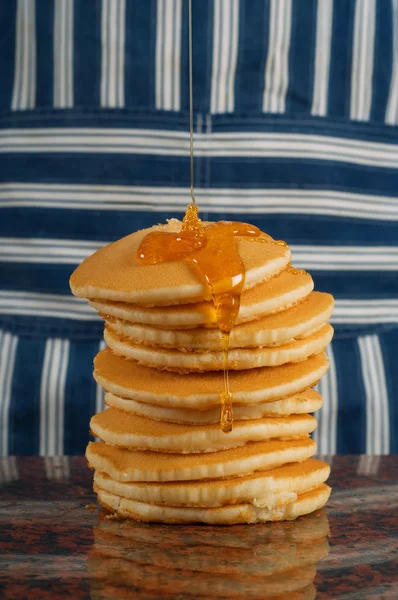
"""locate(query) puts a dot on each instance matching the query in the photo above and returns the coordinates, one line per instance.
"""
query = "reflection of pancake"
(275, 294)
(281, 327)
(120, 579)
(308, 401)
(162, 454)
(136, 465)
(115, 272)
(224, 515)
(263, 488)
(202, 390)
(129, 430)
(275, 562)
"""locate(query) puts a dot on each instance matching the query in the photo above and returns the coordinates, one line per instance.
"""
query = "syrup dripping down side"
(212, 252)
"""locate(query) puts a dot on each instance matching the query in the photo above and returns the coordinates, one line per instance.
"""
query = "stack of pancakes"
(163, 456)
(130, 560)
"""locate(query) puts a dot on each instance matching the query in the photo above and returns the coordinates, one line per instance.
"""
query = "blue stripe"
(79, 396)
(252, 51)
(341, 58)
(7, 55)
(202, 50)
(45, 327)
(24, 434)
(382, 60)
(45, 52)
(139, 170)
(388, 342)
(351, 425)
(140, 54)
(301, 57)
(108, 225)
(176, 122)
(87, 45)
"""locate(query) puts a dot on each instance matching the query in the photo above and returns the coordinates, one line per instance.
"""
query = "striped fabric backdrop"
(296, 122)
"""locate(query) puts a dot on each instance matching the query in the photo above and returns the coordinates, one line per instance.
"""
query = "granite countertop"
(55, 543)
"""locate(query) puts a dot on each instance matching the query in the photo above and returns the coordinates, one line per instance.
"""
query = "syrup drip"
(212, 252)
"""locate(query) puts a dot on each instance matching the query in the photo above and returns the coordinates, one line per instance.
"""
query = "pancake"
(268, 489)
(269, 296)
(238, 358)
(225, 515)
(135, 465)
(308, 401)
(128, 379)
(272, 330)
(116, 273)
(129, 430)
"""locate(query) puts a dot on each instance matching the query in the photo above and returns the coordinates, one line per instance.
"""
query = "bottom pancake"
(226, 515)
(269, 489)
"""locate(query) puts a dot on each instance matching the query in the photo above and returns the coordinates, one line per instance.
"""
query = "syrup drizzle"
(212, 252)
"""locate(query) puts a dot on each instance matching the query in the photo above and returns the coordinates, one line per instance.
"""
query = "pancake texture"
(129, 430)
(162, 456)
(308, 401)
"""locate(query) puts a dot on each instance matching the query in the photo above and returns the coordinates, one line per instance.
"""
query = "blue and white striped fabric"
(296, 120)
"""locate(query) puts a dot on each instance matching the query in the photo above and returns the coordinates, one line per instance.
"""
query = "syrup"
(212, 252)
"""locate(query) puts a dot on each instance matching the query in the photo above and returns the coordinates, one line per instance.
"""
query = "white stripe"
(326, 433)
(260, 201)
(45, 305)
(104, 53)
(177, 55)
(99, 392)
(113, 53)
(277, 64)
(168, 55)
(24, 89)
(363, 59)
(159, 56)
(368, 465)
(392, 104)
(120, 36)
(174, 143)
(225, 54)
(43, 397)
(324, 258)
(377, 410)
(52, 397)
(8, 469)
(346, 312)
(8, 348)
(322, 57)
(216, 66)
(32, 54)
(63, 54)
(57, 468)
(63, 369)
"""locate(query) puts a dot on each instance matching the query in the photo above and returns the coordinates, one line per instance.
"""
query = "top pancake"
(115, 272)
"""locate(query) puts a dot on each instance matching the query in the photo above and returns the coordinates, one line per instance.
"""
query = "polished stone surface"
(55, 543)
